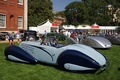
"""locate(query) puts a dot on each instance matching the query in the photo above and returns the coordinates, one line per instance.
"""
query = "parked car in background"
(113, 39)
(21, 32)
(4, 35)
(29, 35)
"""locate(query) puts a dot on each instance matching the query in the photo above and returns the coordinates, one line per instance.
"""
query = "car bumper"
(102, 68)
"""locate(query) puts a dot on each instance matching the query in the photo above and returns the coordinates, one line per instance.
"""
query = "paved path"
(6, 41)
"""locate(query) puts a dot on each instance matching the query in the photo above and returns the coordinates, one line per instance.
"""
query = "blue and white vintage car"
(74, 57)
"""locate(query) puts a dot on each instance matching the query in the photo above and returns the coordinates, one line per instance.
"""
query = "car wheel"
(62, 60)
(31, 38)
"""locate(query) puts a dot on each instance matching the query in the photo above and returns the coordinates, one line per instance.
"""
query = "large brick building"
(13, 15)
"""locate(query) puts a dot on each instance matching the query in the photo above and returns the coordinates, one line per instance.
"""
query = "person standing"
(45, 34)
(11, 41)
(18, 36)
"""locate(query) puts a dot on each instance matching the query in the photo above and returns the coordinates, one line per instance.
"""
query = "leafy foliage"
(60, 13)
(39, 11)
(74, 13)
(91, 11)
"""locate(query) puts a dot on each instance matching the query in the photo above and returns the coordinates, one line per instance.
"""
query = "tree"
(39, 11)
(118, 15)
(60, 13)
(91, 11)
(97, 11)
(74, 13)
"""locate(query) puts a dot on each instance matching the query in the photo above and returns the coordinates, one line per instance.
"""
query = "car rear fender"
(15, 53)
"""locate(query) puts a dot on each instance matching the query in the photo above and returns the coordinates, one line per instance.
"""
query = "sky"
(59, 5)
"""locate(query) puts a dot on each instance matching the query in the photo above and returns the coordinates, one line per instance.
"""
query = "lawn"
(19, 71)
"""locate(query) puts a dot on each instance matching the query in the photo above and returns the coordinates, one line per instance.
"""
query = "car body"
(74, 57)
(29, 35)
(4, 35)
(93, 41)
(113, 39)
(96, 42)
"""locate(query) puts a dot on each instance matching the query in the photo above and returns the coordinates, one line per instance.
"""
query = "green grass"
(19, 71)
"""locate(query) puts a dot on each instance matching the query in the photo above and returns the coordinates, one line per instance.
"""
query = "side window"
(2, 21)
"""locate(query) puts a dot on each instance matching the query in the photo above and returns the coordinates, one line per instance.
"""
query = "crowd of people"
(12, 36)
(68, 33)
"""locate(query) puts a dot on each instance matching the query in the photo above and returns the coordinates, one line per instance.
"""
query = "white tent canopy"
(47, 26)
(108, 27)
(79, 27)
(83, 27)
(69, 27)
(94, 26)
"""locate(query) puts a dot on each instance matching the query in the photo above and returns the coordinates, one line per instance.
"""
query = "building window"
(20, 2)
(4, 0)
(20, 22)
(2, 21)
